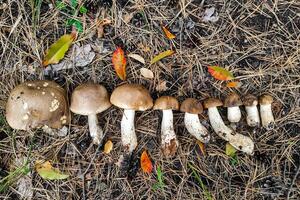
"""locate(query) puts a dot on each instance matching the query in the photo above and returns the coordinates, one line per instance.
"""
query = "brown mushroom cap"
(36, 103)
(265, 99)
(232, 100)
(89, 99)
(132, 96)
(191, 105)
(250, 100)
(166, 103)
(212, 102)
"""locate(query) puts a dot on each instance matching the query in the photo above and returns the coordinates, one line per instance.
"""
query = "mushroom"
(90, 99)
(169, 142)
(232, 102)
(131, 98)
(35, 104)
(266, 114)
(250, 103)
(239, 141)
(192, 107)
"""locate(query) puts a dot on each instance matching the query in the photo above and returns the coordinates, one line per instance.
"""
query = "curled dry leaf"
(108, 147)
(162, 86)
(210, 15)
(220, 73)
(161, 56)
(147, 73)
(100, 26)
(57, 50)
(137, 57)
(47, 171)
(146, 163)
(168, 34)
(202, 147)
(119, 63)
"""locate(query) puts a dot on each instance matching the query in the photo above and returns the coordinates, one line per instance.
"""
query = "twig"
(293, 182)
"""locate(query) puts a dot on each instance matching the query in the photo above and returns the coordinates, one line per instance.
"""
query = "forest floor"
(257, 40)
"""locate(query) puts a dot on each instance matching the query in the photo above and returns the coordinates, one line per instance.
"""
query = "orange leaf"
(146, 163)
(119, 62)
(202, 147)
(168, 34)
(161, 56)
(220, 73)
(233, 84)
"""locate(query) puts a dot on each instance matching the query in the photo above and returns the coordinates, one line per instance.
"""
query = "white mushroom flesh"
(195, 128)
(239, 141)
(234, 114)
(167, 130)
(128, 136)
(96, 131)
(252, 115)
(266, 115)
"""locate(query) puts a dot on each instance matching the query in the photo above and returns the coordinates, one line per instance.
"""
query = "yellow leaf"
(201, 147)
(230, 150)
(137, 57)
(47, 171)
(57, 50)
(220, 73)
(162, 55)
(108, 147)
(146, 163)
(168, 34)
(147, 73)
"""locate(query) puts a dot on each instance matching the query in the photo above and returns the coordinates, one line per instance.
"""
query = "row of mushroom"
(37, 104)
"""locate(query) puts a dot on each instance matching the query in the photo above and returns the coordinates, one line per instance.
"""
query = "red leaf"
(146, 163)
(220, 73)
(119, 63)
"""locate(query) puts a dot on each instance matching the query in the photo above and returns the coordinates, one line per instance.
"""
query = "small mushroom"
(169, 141)
(250, 103)
(192, 107)
(90, 99)
(35, 104)
(239, 141)
(266, 114)
(232, 102)
(131, 98)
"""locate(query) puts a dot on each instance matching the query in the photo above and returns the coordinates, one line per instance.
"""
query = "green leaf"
(83, 10)
(76, 23)
(161, 56)
(60, 5)
(46, 171)
(230, 150)
(74, 3)
(160, 183)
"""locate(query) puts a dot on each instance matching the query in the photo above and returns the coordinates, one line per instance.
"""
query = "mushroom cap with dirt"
(250, 102)
(192, 107)
(239, 141)
(35, 104)
(131, 98)
(169, 141)
(267, 118)
(90, 99)
(232, 102)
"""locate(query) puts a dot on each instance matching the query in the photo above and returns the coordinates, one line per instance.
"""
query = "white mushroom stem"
(239, 141)
(96, 131)
(266, 115)
(234, 114)
(195, 128)
(252, 115)
(128, 136)
(167, 130)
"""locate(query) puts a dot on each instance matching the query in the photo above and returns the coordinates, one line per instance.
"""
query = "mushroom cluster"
(37, 104)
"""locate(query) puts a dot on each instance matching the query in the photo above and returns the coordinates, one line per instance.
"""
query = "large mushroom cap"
(265, 99)
(232, 100)
(37, 103)
(166, 103)
(89, 99)
(132, 96)
(212, 102)
(250, 100)
(191, 105)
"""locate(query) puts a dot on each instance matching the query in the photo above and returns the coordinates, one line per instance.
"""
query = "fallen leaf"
(162, 86)
(127, 18)
(210, 15)
(161, 56)
(146, 163)
(57, 50)
(119, 63)
(137, 57)
(143, 47)
(100, 26)
(47, 171)
(220, 73)
(230, 150)
(168, 34)
(233, 84)
(201, 147)
(108, 146)
(147, 73)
